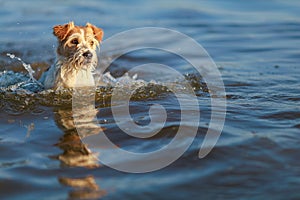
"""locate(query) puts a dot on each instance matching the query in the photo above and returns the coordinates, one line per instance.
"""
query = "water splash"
(27, 67)
(24, 92)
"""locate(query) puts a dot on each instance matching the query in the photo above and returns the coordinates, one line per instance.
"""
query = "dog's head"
(78, 44)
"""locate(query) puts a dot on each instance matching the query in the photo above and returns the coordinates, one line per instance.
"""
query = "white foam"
(26, 66)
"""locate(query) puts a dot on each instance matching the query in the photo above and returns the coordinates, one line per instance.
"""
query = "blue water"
(255, 45)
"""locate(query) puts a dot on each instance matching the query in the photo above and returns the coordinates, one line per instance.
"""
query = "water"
(255, 45)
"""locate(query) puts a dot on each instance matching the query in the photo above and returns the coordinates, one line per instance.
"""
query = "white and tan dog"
(76, 56)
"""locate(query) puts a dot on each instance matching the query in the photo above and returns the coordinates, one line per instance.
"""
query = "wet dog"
(76, 56)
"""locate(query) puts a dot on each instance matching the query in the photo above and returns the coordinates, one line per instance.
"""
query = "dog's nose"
(87, 54)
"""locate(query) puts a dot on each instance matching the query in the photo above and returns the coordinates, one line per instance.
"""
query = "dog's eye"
(75, 41)
(92, 43)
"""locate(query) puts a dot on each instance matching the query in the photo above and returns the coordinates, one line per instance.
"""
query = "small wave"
(21, 85)
(290, 115)
(21, 92)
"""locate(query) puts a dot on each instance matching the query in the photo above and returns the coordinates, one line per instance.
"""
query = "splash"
(27, 67)
(22, 88)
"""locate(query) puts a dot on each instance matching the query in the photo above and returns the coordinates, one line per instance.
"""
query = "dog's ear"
(61, 31)
(98, 32)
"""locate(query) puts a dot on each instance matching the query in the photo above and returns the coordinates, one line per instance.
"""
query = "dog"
(76, 56)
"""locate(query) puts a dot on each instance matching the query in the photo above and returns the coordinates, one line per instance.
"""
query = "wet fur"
(72, 67)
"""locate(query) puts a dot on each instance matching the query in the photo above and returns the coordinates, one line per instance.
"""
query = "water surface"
(255, 45)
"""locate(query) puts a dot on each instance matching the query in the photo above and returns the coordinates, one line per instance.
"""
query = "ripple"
(297, 126)
(13, 164)
(19, 97)
(287, 115)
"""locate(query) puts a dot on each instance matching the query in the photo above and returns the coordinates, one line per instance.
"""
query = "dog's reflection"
(75, 152)
(83, 188)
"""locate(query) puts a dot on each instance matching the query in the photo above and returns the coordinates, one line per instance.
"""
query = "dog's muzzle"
(88, 55)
